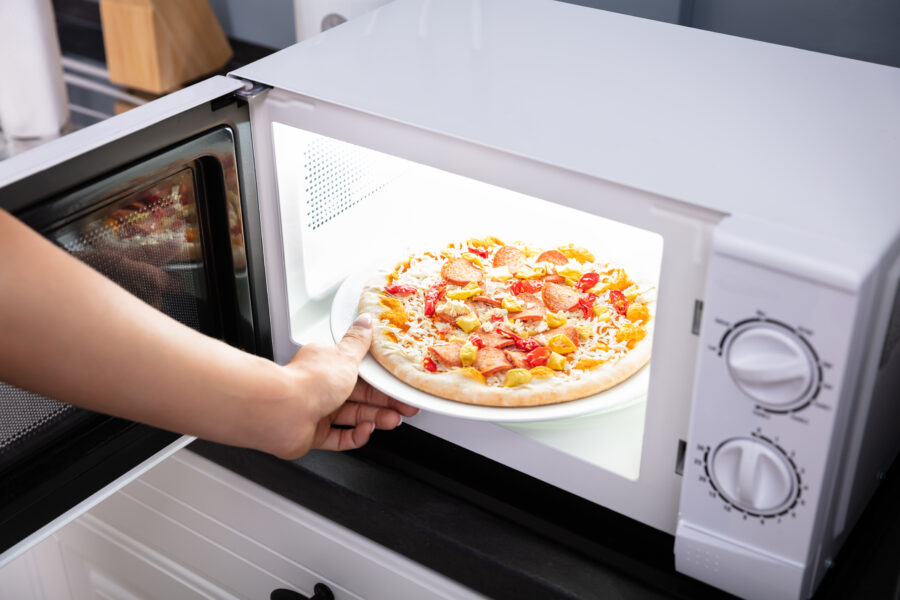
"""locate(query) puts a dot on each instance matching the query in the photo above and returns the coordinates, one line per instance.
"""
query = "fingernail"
(364, 320)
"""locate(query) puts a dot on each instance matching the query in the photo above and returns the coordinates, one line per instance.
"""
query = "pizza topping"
(433, 294)
(490, 361)
(586, 304)
(468, 323)
(556, 361)
(618, 301)
(510, 257)
(538, 356)
(447, 353)
(494, 340)
(567, 330)
(541, 372)
(553, 256)
(468, 291)
(496, 318)
(576, 253)
(616, 280)
(476, 341)
(525, 344)
(531, 308)
(587, 363)
(527, 272)
(561, 344)
(526, 286)
(511, 304)
(400, 290)
(467, 354)
(482, 252)
(461, 272)
(429, 364)
(587, 281)
(630, 332)
(554, 320)
(637, 312)
(517, 358)
(516, 377)
(451, 310)
(487, 300)
(559, 298)
(486, 242)
(395, 314)
(585, 330)
(553, 278)
(471, 373)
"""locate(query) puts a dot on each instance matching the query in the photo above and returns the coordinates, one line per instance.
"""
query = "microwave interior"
(345, 208)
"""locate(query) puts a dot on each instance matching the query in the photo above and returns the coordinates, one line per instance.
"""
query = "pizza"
(484, 322)
(162, 214)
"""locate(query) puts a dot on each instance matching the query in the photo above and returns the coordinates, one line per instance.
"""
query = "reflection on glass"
(147, 241)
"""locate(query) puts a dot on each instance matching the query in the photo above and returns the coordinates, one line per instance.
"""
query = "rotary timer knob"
(772, 365)
(753, 476)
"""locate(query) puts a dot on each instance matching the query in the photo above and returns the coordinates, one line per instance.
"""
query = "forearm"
(71, 334)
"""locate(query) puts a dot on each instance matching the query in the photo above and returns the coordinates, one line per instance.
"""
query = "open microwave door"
(161, 187)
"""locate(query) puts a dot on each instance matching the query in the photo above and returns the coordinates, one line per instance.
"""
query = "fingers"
(356, 341)
(347, 439)
(365, 393)
(353, 413)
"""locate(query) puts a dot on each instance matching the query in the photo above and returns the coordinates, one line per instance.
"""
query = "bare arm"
(71, 334)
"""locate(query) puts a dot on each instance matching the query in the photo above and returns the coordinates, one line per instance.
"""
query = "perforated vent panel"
(338, 177)
(23, 414)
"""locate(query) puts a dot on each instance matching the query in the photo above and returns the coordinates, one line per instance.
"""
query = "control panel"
(762, 418)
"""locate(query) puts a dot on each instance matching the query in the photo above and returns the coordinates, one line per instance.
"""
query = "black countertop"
(507, 535)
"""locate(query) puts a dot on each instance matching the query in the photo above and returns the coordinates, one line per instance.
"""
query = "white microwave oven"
(757, 183)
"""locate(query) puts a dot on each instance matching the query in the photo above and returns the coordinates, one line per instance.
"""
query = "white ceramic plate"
(344, 311)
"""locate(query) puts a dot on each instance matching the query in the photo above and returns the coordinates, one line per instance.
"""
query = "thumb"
(356, 341)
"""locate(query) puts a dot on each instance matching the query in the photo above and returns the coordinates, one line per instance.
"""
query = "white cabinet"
(189, 528)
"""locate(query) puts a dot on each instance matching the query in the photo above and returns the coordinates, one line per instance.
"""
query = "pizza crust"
(455, 386)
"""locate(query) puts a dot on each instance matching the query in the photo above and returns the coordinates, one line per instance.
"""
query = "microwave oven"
(756, 183)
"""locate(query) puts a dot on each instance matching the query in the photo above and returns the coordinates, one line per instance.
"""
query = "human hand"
(332, 408)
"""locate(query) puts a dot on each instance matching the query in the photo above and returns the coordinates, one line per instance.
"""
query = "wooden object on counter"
(158, 45)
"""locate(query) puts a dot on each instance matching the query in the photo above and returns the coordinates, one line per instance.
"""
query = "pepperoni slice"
(553, 278)
(487, 300)
(567, 330)
(532, 308)
(446, 353)
(460, 271)
(553, 256)
(495, 340)
(558, 297)
(490, 361)
(517, 358)
(510, 257)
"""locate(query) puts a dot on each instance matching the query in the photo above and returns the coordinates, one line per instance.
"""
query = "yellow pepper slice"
(585, 330)
(527, 272)
(541, 372)
(473, 258)
(578, 253)
(467, 353)
(468, 323)
(516, 377)
(557, 362)
(588, 363)
(471, 373)
(511, 304)
(561, 344)
(554, 320)
(469, 290)
(638, 312)
(631, 332)
(571, 274)
(602, 312)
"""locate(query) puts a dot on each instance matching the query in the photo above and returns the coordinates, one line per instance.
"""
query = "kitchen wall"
(862, 29)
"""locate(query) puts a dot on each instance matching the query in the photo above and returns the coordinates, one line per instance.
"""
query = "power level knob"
(771, 364)
(753, 475)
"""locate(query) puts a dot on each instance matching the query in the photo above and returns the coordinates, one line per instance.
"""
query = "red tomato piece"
(586, 304)
(618, 301)
(429, 364)
(482, 252)
(476, 341)
(538, 356)
(432, 296)
(526, 286)
(400, 290)
(587, 281)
